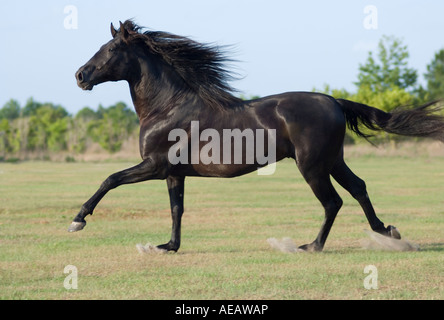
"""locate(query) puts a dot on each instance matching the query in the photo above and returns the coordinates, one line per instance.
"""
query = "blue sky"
(280, 45)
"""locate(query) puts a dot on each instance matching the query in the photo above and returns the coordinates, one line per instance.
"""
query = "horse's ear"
(113, 30)
(123, 32)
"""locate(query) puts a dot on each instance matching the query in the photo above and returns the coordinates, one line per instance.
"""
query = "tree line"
(37, 129)
(385, 81)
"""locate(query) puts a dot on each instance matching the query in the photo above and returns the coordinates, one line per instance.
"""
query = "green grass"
(224, 253)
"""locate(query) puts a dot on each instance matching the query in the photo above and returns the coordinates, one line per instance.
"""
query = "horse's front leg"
(146, 170)
(176, 191)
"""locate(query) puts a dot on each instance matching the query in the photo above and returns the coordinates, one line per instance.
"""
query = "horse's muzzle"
(82, 80)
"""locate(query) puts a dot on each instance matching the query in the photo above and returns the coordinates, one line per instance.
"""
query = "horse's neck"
(157, 89)
(152, 87)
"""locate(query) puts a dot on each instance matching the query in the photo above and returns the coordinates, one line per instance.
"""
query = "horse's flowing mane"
(201, 66)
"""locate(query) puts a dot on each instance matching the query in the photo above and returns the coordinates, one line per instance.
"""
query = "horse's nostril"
(79, 76)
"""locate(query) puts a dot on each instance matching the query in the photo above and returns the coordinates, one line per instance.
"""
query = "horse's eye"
(111, 49)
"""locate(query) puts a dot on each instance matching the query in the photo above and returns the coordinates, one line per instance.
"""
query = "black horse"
(175, 81)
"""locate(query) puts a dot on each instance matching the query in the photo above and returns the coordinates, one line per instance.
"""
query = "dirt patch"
(284, 245)
(376, 241)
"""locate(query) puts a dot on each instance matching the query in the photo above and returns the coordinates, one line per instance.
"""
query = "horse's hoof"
(76, 226)
(393, 232)
(311, 247)
(168, 247)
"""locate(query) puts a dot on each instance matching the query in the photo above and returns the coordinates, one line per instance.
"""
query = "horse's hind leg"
(330, 200)
(356, 187)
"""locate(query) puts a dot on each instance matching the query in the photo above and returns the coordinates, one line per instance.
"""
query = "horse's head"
(110, 63)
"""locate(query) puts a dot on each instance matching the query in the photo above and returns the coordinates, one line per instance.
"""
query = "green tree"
(47, 128)
(78, 137)
(9, 137)
(435, 76)
(389, 69)
(116, 123)
(385, 100)
(11, 110)
(87, 114)
(30, 107)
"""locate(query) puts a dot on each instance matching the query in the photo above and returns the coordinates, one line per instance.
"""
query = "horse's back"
(308, 105)
(314, 123)
(307, 112)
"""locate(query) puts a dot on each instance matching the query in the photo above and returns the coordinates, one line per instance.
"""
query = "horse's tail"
(421, 121)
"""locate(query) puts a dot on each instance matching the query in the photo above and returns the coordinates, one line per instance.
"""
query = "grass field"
(224, 253)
